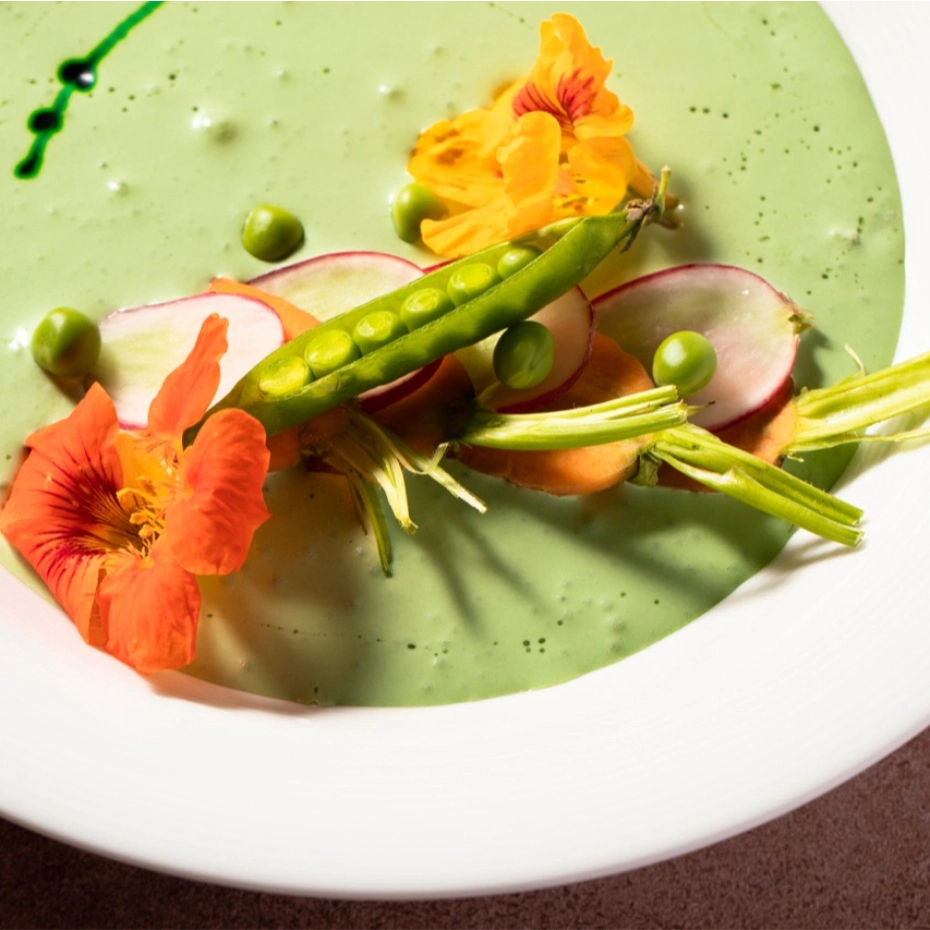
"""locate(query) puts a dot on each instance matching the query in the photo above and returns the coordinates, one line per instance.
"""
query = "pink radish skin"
(141, 346)
(753, 328)
(328, 285)
(387, 394)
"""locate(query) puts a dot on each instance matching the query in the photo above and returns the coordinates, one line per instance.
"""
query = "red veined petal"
(209, 526)
(63, 514)
(149, 609)
(569, 77)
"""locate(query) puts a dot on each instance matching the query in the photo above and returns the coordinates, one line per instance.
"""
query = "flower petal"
(210, 525)
(469, 231)
(456, 158)
(63, 514)
(569, 77)
(512, 168)
(188, 391)
(530, 164)
(596, 126)
(149, 609)
(602, 170)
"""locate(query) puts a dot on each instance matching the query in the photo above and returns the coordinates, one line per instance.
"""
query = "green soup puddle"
(206, 110)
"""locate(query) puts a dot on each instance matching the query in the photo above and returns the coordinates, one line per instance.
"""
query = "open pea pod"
(282, 391)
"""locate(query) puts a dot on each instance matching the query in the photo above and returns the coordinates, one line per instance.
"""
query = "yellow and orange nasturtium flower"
(118, 524)
(553, 145)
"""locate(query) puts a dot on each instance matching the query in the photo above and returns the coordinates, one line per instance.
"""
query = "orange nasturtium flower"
(553, 145)
(119, 524)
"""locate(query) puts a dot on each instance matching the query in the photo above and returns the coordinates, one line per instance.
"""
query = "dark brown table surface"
(856, 857)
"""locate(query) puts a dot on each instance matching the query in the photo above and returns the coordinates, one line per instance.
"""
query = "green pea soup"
(203, 111)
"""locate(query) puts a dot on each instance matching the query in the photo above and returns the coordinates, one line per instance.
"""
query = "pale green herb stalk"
(840, 414)
(371, 457)
(623, 418)
(721, 467)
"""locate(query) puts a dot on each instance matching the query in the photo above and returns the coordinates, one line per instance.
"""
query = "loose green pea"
(516, 258)
(424, 306)
(271, 233)
(685, 359)
(284, 376)
(330, 350)
(66, 343)
(469, 281)
(412, 204)
(377, 329)
(524, 355)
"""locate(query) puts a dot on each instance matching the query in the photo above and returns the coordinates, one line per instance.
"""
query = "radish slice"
(141, 346)
(331, 284)
(387, 394)
(571, 322)
(753, 328)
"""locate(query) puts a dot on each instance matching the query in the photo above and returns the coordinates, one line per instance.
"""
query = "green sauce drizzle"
(75, 74)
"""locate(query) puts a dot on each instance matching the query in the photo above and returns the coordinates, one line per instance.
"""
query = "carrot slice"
(294, 320)
(609, 373)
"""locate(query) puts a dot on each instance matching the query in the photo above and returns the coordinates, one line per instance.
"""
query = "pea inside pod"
(424, 306)
(377, 329)
(284, 376)
(471, 280)
(329, 350)
(515, 259)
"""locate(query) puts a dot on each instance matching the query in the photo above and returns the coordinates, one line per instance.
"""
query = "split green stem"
(839, 414)
(715, 464)
(623, 418)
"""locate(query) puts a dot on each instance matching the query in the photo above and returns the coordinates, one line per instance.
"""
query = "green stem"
(614, 420)
(839, 414)
(715, 464)
(371, 514)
